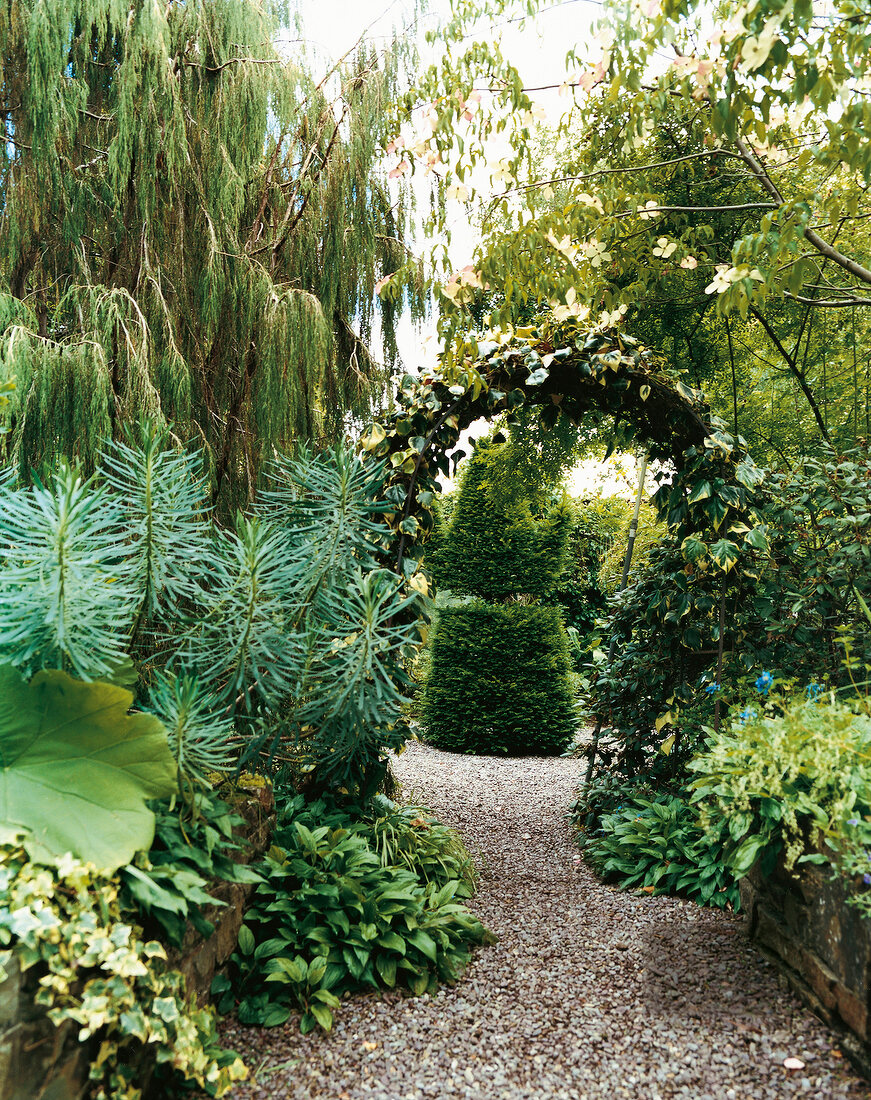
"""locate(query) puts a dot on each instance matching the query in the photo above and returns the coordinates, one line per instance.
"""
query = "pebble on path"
(590, 993)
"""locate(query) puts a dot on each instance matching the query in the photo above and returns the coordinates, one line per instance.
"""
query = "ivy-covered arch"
(710, 504)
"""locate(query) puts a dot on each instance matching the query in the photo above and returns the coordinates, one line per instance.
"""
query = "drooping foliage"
(192, 226)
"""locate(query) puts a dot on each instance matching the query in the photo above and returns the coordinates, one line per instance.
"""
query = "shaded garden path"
(590, 993)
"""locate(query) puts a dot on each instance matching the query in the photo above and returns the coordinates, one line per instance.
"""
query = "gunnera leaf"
(76, 768)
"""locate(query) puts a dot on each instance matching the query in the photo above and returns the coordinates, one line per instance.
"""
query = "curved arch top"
(710, 502)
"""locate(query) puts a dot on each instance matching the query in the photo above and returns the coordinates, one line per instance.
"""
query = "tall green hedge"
(499, 681)
(493, 550)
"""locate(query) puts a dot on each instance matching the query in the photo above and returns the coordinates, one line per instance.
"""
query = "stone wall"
(802, 922)
(39, 1061)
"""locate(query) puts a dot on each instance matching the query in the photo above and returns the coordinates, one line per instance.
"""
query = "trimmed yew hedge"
(499, 682)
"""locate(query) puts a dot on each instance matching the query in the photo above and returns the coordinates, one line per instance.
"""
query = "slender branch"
(829, 303)
(623, 171)
(826, 249)
(793, 367)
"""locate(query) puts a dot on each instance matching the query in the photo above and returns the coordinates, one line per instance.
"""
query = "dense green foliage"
(284, 630)
(350, 902)
(493, 549)
(193, 223)
(654, 842)
(498, 681)
(792, 617)
(792, 776)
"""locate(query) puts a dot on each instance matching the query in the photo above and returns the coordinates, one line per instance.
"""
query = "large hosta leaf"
(76, 768)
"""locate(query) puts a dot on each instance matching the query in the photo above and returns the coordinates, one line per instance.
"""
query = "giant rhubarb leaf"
(76, 768)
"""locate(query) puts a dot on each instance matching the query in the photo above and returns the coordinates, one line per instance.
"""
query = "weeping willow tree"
(191, 227)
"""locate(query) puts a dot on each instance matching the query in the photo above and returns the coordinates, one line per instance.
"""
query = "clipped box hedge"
(499, 681)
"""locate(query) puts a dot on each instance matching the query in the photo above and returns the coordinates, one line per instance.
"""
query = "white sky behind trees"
(538, 49)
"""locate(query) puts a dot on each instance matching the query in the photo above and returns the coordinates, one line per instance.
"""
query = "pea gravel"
(590, 993)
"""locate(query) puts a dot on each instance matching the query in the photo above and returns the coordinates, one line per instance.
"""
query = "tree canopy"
(192, 225)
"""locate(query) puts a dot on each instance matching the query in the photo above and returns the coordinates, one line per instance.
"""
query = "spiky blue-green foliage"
(191, 226)
(241, 640)
(164, 498)
(200, 733)
(284, 627)
(68, 588)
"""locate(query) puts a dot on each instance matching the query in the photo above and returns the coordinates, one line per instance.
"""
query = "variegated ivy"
(708, 498)
(98, 973)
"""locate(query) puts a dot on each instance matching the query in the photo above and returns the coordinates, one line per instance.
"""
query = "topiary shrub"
(499, 681)
(493, 548)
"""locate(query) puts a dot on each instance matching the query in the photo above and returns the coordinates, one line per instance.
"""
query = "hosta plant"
(331, 918)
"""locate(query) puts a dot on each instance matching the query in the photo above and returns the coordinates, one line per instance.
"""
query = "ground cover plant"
(350, 899)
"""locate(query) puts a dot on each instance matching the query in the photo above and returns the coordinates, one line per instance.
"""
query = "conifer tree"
(191, 227)
(499, 672)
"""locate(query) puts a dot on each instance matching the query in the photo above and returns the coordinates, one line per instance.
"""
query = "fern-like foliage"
(68, 591)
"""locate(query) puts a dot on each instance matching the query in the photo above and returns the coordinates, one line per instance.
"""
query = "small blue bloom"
(866, 878)
(747, 714)
(764, 682)
(853, 821)
(712, 689)
(813, 691)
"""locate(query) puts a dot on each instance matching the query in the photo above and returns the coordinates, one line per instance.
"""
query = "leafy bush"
(332, 917)
(499, 681)
(655, 843)
(794, 778)
(286, 628)
(788, 612)
(97, 971)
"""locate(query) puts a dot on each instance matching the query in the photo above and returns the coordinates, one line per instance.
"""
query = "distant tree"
(499, 673)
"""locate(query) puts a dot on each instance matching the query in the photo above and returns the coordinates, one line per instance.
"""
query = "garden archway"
(710, 503)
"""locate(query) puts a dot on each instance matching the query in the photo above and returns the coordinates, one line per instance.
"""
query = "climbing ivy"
(708, 494)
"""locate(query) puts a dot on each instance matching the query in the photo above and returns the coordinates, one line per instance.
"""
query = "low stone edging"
(801, 922)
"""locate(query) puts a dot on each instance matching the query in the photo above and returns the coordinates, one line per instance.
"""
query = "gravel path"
(590, 993)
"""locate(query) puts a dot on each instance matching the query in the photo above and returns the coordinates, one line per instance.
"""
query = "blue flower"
(813, 691)
(712, 689)
(764, 682)
(866, 878)
(747, 714)
(853, 821)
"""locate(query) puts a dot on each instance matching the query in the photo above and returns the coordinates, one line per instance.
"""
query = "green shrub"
(499, 681)
(656, 843)
(794, 777)
(332, 917)
(492, 549)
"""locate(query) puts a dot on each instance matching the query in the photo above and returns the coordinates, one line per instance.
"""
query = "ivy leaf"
(537, 377)
(76, 769)
(748, 474)
(693, 548)
(724, 553)
(757, 538)
(701, 492)
(371, 439)
(716, 511)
